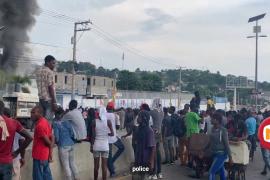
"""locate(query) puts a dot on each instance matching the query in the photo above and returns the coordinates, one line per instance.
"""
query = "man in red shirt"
(42, 146)
(8, 128)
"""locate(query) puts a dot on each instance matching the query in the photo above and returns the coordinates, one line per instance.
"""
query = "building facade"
(88, 86)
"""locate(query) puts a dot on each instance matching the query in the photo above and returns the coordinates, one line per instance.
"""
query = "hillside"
(208, 83)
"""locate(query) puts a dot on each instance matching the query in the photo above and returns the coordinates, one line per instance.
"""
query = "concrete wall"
(84, 161)
(63, 83)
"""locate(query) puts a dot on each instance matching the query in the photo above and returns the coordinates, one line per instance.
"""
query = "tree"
(127, 81)
(21, 80)
(150, 82)
(206, 82)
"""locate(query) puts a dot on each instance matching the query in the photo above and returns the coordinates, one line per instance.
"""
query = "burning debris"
(17, 17)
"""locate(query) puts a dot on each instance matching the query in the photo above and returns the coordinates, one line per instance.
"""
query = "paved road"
(175, 172)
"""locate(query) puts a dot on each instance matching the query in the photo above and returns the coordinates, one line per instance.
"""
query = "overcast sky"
(200, 34)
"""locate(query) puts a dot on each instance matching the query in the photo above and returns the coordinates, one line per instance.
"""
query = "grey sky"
(201, 34)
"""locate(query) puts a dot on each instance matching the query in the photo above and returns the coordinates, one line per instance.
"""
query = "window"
(112, 83)
(66, 79)
(104, 82)
(94, 82)
(55, 78)
(88, 81)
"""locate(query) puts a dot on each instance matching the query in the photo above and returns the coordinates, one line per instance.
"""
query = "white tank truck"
(20, 99)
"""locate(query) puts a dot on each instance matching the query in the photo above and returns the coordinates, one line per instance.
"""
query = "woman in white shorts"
(102, 129)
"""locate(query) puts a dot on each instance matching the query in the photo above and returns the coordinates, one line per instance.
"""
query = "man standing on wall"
(46, 88)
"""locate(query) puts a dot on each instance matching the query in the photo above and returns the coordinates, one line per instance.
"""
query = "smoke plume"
(17, 17)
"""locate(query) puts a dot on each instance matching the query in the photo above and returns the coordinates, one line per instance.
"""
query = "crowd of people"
(149, 126)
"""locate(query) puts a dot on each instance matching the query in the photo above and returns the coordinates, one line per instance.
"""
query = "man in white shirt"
(113, 140)
(76, 119)
(207, 120)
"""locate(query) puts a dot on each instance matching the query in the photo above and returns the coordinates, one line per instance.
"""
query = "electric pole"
(123, 59)
(256, 30)
(180, 87)
(84, 27)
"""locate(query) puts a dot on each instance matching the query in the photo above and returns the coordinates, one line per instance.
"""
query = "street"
(173, 172)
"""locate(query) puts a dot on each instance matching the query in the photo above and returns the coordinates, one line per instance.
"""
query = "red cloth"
(13, 126)
(43, 129)
(110, 105)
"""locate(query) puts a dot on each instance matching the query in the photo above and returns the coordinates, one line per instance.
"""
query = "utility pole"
(180, 87)
(84, 27)
(123, 60)
(256, 30)
(234, 99)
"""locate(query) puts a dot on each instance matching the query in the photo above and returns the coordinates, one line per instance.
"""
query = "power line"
(131, 50)
(54, 24)
(107, 37)
(39, 43)
(153, 59)
(80, 36)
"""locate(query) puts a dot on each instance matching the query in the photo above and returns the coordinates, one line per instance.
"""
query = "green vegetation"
(20, 80)
(208, 83)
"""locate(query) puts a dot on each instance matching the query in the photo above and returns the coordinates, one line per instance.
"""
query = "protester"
(64, 138)
(117, 121)
(145, 149)
(259, 117)
(100, 141)
(207, 119)
(167, 136)
(220, 148)
(90, 118)
(251, 127)
(113, 140)
(178, 130)
(180, 133)
(264, 150)
(202, 124)
(129, 119)
(19, 161)
(223, 114)
(210, 103)
(77, 122)
(122, 115)
(237, 129)
(133, 132)
(8, 129)
(46, 87)
(157, 116)
(195, 102)
(42, 145)
(186, 109)
(192, 121)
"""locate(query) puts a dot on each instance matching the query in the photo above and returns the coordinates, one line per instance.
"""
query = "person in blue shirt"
(64, 138)
(251, 127)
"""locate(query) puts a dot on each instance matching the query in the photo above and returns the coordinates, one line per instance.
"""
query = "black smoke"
(18, 17)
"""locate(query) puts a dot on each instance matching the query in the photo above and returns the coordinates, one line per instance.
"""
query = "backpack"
(179, 127)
